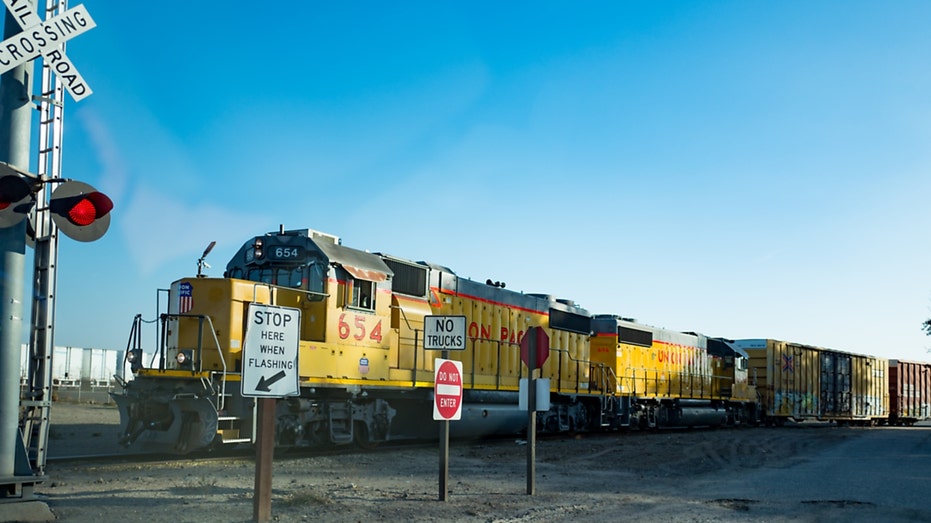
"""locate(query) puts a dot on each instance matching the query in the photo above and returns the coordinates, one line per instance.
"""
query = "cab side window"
(316, 277)
(362, 295)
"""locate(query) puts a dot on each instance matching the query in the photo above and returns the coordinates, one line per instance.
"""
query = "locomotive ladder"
(35, 403)
(608, 401)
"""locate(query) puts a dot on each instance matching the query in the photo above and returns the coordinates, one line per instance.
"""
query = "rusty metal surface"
(909, 391)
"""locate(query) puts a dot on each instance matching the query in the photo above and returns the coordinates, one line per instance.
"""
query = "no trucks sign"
(444, 332)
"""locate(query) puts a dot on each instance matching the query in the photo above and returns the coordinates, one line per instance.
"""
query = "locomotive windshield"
(279, 260)
(302, 260)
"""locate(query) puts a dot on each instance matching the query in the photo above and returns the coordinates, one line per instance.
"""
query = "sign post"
(264, 456)
(445, 333)
(447, 405)
(534, 350)
(269, 371)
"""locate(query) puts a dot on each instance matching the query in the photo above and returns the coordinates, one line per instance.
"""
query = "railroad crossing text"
(46, 36)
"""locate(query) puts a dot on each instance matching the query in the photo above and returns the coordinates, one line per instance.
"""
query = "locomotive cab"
(189, 397)
(733, 374)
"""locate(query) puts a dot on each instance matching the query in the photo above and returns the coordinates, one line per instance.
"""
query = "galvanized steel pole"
(531, 412)
(444, 449)
(15, 127)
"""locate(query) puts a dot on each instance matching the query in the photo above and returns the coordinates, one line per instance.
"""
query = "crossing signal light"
(80, 211)
(16, 200)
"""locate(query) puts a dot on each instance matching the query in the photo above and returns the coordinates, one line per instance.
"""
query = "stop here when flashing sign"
(269, 352)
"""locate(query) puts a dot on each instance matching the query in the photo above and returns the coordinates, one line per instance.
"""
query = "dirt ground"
(652, 477)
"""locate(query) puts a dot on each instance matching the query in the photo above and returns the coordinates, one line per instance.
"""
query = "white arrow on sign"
(47, 38)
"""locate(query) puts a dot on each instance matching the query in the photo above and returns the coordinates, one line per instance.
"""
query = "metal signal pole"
(24, 421)
(15, 129)
(36, 404)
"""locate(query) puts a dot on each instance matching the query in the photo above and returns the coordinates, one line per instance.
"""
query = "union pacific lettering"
(674, 355)
(675, 358)
(484, 332)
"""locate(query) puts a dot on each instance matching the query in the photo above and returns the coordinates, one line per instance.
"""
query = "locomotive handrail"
(272, 286)
(415, 346)
(498, 354)
(578, 362)
(221, 404)
(630, 377)
(606, 374)
(271, 295)
(416, 342)
(403, 315)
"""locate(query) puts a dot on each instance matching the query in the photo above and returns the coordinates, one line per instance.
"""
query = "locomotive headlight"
(185, 358)
(134, 357)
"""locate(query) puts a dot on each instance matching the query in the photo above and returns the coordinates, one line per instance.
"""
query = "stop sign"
(535, 340)
(447, 390)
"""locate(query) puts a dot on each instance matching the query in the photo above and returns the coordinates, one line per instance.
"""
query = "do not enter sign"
(447, 390)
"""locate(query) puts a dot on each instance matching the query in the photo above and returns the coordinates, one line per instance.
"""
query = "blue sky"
(739, 168)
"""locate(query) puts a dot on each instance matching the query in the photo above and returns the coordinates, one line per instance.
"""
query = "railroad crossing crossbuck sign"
(47, 39)
(269, 352)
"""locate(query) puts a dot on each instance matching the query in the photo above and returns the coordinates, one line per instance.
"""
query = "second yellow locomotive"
(365, 377)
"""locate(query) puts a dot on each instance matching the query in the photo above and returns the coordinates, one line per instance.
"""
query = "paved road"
(879, 475)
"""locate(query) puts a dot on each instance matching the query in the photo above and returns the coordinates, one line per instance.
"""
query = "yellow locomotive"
(365, 377)
(673, 379)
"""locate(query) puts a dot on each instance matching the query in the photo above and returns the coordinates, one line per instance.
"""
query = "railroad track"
(238, 453)
(248, 452)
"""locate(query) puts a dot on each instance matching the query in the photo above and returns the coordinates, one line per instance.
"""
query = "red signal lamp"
(87, 209)
(80, 211)
(16, 200)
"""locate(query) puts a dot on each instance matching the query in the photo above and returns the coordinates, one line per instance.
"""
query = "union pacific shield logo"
(185, 298)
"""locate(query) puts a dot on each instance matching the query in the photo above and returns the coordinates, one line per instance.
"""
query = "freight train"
(364, 376)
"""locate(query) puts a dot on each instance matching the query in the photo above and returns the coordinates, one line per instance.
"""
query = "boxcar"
(803, 382)
(909, 392)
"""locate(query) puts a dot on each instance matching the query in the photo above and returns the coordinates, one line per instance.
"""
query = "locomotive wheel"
(360, 436)
(318, 433)
(216, 444)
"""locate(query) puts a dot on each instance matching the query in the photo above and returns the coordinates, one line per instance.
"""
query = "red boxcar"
(909, 392)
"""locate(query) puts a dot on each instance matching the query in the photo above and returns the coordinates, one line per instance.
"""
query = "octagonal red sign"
(535, 339)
